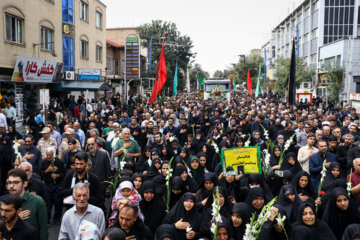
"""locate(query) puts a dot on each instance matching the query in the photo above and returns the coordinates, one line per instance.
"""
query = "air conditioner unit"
(69, 75)
(306, 85)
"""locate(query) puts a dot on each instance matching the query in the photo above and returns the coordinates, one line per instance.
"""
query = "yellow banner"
(244, 159)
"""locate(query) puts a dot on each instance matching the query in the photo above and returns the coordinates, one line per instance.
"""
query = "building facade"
(65, 35)
(313, 24)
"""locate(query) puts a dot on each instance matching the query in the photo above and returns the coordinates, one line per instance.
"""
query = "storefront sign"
(244, 159)
(89, 74)
(36, 70)
(355, 96)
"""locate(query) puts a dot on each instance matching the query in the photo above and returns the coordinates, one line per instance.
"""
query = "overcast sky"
(220, 30)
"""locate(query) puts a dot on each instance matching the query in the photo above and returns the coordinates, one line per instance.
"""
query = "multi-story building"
(42, 38)
(315, 24)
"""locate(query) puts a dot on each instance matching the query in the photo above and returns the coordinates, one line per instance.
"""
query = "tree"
(282, 66)
(336, 83)
(241, 69)
(177, 48)
(218, 74)
(194, 74)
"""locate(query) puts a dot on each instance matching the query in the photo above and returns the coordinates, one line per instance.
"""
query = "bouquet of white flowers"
(323, 173)
(348, 187)
(216, 213)
(286, 146)
(168, 187)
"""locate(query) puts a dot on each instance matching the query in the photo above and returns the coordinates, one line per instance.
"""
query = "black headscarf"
(153, 171)
(190, 183)
(197, 174)
(289, 207)
(255, 192)
(274, 160)
(352, 231)
(329, 180)
(243, 210)
(287, 166)
(301, 232)
(178, 184)
(209, 176)
(308, 190)
(320, 229)
(166, 230)
(178, 212)
(336, 218)
(268, 231)
(153, 211)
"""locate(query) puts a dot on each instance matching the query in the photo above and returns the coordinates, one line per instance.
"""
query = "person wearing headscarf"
(151, 206)
(223, 231)
(178, 189)
(272, 230)
(207, 185)
(205, 124)
(275, 157)
(160, 180)
(352, 232)
(154, 169)
(7, 157)
(240, 216)
(206, 216)
(231, 185)
(197, 142)
(303, 186)
(250, 181)
(164, 153)
(291, 163)
(189, 182)
(137, 180)
(256, 200)
(88, 231)
(196, 170)
(332, 174)
(184, 215)
(306, 217)
(289, 201)
(256, 139)
(204, 162)
(166, 231)
(340, 212)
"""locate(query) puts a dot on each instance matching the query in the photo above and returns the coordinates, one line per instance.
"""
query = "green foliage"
(194, 74)
(177, 47)
(336, 83)
(241, 69)
(303, 74)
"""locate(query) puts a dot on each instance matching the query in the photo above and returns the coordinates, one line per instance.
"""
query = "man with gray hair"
(126, 144)
(100, 160)
(80, 212)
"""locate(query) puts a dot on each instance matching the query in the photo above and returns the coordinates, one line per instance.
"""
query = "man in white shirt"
(3, 123)
(81, 211)
(10, 112)
(305, 152)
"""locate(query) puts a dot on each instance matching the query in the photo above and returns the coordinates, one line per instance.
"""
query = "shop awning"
(83, 85)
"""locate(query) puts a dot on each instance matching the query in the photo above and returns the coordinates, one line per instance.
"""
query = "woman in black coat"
(7, 158)
(306, 217)
(240, 216)
(289, 201)
(184, 215)
(340, 212)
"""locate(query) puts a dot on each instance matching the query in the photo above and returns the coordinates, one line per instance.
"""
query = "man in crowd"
(45, 142)
(80, 212)
(31, 153)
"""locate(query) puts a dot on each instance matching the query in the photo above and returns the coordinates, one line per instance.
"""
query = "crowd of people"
(114, 169)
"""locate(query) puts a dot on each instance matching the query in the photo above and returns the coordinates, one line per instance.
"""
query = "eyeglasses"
(13, 182)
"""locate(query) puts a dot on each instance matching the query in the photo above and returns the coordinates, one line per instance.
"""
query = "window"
(314, 33)
(84, 11)
(109, 63)
(47, 38)
(98, 53)
(84, 49)
(14, 29)
(116, 67)
(68, 11)
(98, 19)
(68, 53)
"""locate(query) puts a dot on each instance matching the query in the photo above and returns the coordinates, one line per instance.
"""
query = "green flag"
(234, 85)
(175, 80)
(201, 83)
(162, 98)
(257, 92)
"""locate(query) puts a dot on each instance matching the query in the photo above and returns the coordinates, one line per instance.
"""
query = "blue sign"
(89, 74)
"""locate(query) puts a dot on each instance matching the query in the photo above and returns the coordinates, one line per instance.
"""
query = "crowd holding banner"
(185, 168)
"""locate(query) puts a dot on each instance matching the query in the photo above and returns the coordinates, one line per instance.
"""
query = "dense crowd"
(160, 168)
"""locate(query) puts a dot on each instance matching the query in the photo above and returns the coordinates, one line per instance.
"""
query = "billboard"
(36, 70)
(132, 57)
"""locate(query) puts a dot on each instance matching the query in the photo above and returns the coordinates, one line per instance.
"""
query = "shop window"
(14, 29)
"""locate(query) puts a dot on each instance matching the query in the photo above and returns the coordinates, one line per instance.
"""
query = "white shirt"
(72, 219)
(303, 156)
(3, 122)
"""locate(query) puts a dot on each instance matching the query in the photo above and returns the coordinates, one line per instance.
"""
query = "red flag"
(160, 75)
(249, 84)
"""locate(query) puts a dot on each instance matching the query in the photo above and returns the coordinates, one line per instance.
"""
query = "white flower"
(348, 188)
(247, 143)
(122, 164)
(218, 218)
(213, 228)
(188, 229)
(280, 221)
